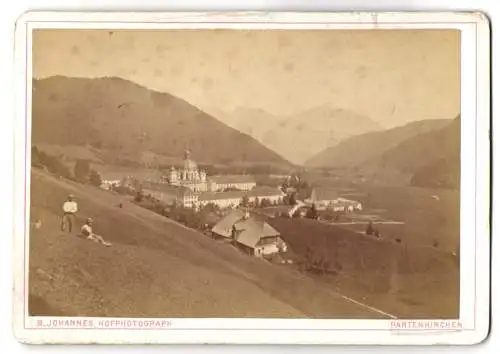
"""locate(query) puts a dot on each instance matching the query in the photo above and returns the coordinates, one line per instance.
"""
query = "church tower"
(173, 175)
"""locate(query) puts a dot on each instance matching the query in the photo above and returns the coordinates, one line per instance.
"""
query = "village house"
(322, 198)
(249, 233)
(326, 198)
(107, 184)
(347, 205)
(110, 179)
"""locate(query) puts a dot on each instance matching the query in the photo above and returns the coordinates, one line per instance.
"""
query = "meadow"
(395, 277)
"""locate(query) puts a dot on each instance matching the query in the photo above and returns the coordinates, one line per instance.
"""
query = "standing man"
(69, 210)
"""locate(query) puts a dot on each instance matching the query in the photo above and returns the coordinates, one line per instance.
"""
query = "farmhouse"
(249, 233)
(325, 198)
(347, 205)
(110, 179)
(322, 198)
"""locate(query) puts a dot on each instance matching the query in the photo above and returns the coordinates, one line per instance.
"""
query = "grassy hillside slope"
(156, 267)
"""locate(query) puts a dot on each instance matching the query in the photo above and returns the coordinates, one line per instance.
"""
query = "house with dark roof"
(250, 233)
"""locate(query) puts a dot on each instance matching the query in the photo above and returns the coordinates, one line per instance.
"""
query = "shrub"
(138, 197)
(82, 170)
(95, 178)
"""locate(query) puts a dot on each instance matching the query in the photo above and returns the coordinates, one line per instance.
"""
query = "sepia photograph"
(244, 173)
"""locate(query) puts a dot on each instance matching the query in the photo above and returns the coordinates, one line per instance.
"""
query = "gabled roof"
(250, 230)
(253, 231)
(225, 226)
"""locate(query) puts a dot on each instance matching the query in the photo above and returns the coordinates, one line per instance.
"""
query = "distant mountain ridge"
(360, 149)
(298, 137)
(425, 153)
(115, 114)
(443, 169)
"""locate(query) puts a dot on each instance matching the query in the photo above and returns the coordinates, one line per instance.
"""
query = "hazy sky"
(391, 76)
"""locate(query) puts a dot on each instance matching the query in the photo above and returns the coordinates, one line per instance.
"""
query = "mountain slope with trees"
(425, 154)
(363, 148)
(117, 115)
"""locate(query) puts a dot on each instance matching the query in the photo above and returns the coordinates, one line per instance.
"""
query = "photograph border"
(473, 324)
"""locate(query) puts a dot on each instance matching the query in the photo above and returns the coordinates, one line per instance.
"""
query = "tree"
(245, 201)
(210, 208)
(369, 228)
(95, 178)
(54, 165)
(82, 170)
(312, 213)
(138, 197)
(265, 203)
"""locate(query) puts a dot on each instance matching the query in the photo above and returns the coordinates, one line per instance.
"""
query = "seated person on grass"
(90, 235)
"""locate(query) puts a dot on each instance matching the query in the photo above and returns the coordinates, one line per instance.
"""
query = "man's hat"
(71, 196)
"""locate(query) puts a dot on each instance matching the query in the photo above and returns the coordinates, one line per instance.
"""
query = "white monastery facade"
(196, 180)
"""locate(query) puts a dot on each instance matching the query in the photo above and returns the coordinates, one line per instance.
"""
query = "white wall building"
(326, 198)
(230, 199)
(196, 180)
